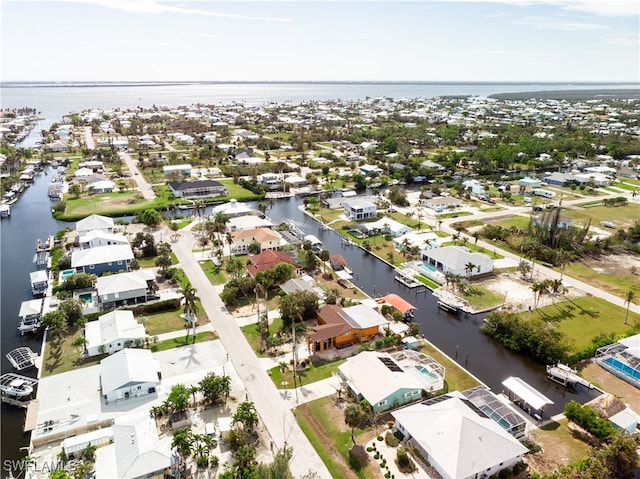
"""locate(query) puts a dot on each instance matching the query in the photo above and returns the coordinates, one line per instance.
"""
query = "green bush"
(404, 462)
(587, 418)
(391, 439)
(166, 305)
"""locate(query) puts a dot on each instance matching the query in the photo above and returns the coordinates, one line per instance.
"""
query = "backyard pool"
(66, 273)
(432, 378)
(357, 234)
(623, 368)
(427, 268)
(85, 297)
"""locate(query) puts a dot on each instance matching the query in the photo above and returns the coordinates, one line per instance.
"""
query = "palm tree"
(629, 298)
(182, 442)
(563, 257)
(191, 308)
(535, 287)
(246, 415)
(469, 269)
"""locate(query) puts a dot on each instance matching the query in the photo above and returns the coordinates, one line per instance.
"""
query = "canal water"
(459, 337)
(30, 220)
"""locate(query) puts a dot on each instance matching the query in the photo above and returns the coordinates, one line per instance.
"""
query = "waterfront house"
(457, 439)
(232, 209)
(269, 259)
(474, 187)
(338, 327)
(387, 225)
(190, 190)
(129, 373)
(112, 332)
(95, 238)
(303, 283)
(454, 260)
(137, 451)
(39, 282)
(95, 222)
(247, 222)
(359, 209)
(102, 259)
(266, 238)
(423, 241)
(385, 383)
(122, 289)
(271, 181)
(101, 186)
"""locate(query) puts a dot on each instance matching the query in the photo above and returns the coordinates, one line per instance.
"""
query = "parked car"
(210, 429)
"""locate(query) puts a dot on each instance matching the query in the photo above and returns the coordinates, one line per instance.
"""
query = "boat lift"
(563, 374)
(22, 358)
(16, 389)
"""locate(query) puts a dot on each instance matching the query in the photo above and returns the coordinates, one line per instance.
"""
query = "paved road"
(88, 138)
(143, 186)
(273, 409)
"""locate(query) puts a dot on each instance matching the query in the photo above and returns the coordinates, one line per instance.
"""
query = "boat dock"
(407, 281)
(563, 374)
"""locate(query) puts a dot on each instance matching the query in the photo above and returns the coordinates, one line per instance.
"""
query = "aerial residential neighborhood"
(256, 284)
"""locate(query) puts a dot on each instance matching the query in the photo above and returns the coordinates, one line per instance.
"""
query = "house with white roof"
(359, 209)
(179, 170)
(266, 238)
(102, 259)
(95, 238)
(439, 203)
(101, 186)
(137, 451)
(232, 208)
(425, 240)
(454, 260)
(112, 332)
(457, 439)
(95, 222)
(388, 226)
(382, 381)
(129, 373)
(474, 187)
(247, 222)
(130, 288)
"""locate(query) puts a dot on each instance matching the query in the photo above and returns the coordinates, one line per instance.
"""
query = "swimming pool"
(85, 297)
(427, 268)
(66, 273)
(357, 234)
(432, 378)
(623, 368)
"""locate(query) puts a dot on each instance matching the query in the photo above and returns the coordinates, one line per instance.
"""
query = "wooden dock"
(407, 281)
(31, 421)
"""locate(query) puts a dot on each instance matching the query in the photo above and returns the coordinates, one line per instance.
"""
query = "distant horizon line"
(308, 82)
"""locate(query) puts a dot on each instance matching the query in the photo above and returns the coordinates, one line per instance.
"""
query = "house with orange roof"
(269, 259)
(339, 327)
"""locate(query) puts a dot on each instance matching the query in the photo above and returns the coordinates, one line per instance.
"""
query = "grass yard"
(151, 262)
(485, 298)
(620, 215)
(61, 356)
(214, 272)
(457, 379)
(312, 374)
(616, 282)
(560, 447)
(183, 341)
(456, 214)
(429, 283)
(237, 192)
(250, 332)
(582, 319)
(166, 321)
(520, 222)
(323, 424)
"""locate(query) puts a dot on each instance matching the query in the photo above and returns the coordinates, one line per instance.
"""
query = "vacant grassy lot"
(283, 377)
(215, 273)
(560, 448)
(110, 204)
(61, 356)
(609, 273)
(582, 319)
(252, 334)
(237, 192)
(622, 216)
(183, 341)
(483, 298)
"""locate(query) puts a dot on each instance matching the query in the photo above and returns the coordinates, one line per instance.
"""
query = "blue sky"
(428, 40)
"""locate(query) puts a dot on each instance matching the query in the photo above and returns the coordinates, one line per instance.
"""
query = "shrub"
(391, 440)
(166, 305)
(358, 457)
(404, 462)
(379, 438)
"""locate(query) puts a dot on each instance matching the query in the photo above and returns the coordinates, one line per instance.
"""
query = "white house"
(388, 226)
(440, 203)
(101, 186)
(137, 451)
(129, 373)
(112, 332)
(265, 237)
(423, 241)
(130, 288)
(95, 238)
(181, 170)
(271, 180)
(248, 222)
(359, 209)
(457, 439)
(474, 187)
(232, 208)
(95, 222)
(454, 259)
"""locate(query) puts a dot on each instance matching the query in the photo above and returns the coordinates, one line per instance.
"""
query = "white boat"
(5, 210)
(28, 325)
(16, 386)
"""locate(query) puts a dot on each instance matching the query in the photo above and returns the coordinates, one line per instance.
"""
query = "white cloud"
(622, 39)
(595, 7)
(556, 23)
(158, 6)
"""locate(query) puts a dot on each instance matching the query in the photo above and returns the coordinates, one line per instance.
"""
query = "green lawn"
(237, 192)
(485, 299)
(215, 273)
(284, 380)
(520, 222)
(183, 341)
(250, 332)
(582, 319)
(617, 284)
(61, 356)
(428, 282)
(456, 214)
(151, 262)
(456, 378)
(166, 321)
(110, 204)
(557, 435)
(620, 215)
